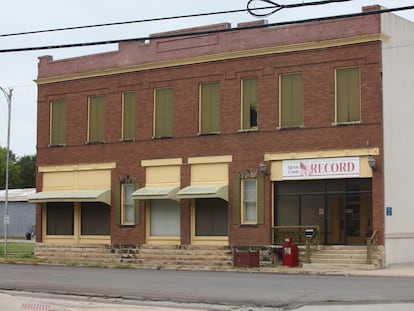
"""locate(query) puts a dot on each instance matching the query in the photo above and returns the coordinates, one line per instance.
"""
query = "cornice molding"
(217, 57)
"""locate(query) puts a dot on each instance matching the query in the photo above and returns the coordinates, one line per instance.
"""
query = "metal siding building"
(21, 212)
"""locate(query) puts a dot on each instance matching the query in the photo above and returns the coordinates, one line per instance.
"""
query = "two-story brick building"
(218, 138)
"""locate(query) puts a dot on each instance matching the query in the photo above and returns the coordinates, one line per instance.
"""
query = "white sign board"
(322, 168)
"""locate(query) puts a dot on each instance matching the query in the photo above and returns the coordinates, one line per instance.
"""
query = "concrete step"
(343, 257)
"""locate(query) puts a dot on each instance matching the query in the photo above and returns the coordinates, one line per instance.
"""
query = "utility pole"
(6, 220)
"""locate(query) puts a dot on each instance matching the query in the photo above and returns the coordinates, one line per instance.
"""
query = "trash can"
(28, 236)
(290, 256)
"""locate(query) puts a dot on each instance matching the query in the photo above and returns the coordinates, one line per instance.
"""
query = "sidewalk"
(394, 270)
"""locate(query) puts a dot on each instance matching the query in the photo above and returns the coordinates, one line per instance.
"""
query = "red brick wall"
(248, 149)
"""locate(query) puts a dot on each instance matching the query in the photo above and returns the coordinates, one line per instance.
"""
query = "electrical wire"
(248, 9)
(126, 22)
(277, 7)
(187, 34)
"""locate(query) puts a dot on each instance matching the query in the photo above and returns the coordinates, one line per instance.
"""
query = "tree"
(27, 171)
(22, 171)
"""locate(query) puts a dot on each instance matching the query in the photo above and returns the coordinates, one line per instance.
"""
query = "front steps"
(344, 258)
(138, 256)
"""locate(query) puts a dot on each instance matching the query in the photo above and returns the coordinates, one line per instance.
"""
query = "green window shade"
(291, 100)
(164, 105)
(348, 95)
(210, 108)
(260, 200)
(249, 103)
(236, 210)
(137, 209)
(58, 122)
(128, 115)
(117, 204)
(96, 119)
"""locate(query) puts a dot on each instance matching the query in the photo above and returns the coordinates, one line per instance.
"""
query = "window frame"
(131, 112)
(125, 204)
(99, 122)
(214, 124)
(281, 102)
(246, 115)
(166, 114)
(244, 201)
(348, 121)
(60, 126)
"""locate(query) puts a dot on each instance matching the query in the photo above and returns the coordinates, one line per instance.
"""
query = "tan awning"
(204, 191)
(156, 192)
(101, 195)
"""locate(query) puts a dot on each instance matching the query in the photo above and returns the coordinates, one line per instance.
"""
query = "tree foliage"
(22, 171)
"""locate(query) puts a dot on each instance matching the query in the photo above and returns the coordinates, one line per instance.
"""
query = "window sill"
(287, 128)
(127, 225)
(95, 142)
(161, 137)
(208, 134)
(126, 140)
(248, 226)
(346, 123)
(56, 145)
(253, 129)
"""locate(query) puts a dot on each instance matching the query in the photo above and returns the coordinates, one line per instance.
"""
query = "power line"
(127, 22)
(277, 7)
(175, 35)
(249, 9)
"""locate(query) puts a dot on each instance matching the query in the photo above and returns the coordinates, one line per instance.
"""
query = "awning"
(100, 195)
(204, 191)
(156, 192)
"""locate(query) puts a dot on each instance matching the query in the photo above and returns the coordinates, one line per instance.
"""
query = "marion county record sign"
(323, 168)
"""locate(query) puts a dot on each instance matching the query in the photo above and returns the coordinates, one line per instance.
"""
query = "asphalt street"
(259, 290)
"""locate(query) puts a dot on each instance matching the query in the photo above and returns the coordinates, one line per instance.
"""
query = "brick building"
(220, 138)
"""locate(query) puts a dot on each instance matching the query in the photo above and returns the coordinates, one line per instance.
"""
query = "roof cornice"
(217, 57)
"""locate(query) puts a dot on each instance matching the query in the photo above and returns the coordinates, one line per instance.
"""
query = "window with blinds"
(163, 112)
(210, 108)
(348, 95)
(249, 103)
(96, 128)
(58, 122)
(128, 115)
(291, 100)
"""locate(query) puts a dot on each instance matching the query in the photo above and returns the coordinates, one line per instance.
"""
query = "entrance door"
(335, 220)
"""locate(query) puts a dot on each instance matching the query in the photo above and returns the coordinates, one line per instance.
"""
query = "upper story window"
(163, 112)
(348, 95)
(291, 100)
(209, 108)
(57, 122)
(128, 115)
(249, 103)
(96, 126)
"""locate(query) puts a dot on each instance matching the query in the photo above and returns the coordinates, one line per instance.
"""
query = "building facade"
(219, 138)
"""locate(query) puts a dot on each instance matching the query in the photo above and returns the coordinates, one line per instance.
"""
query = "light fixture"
(372, 163)
(263, 169)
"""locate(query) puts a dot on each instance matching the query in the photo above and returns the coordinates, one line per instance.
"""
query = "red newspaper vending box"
(290, 256)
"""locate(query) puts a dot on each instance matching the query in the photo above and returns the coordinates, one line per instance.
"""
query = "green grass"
(18, 250)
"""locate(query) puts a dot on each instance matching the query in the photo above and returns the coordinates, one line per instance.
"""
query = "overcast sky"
(19, 69)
